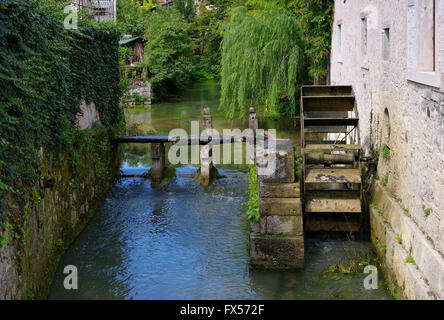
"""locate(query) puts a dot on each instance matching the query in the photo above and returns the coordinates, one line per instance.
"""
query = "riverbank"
(62, 203)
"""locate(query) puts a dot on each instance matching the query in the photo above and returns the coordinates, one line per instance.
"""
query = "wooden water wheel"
(332, 179)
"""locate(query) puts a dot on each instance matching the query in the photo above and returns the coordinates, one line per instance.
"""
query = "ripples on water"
(186, 242)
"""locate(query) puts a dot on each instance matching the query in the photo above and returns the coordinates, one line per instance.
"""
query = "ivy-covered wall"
(71, 188)
(46, 71)
(52, 175)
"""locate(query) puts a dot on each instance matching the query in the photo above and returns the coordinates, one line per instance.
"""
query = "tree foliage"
(186, 8)
(168, 53)
(263, 61)
(132, 16)
(315, 17)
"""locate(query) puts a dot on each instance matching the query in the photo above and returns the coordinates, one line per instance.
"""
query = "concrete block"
(277, 252)
(259, 227)
(378, 228)
(281, 160)
(289, 225)
(280, 206)
(279, 190)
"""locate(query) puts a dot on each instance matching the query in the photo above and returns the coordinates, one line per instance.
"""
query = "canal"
(182, 241)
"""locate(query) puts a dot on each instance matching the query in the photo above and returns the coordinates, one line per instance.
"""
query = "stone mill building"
(392, 53)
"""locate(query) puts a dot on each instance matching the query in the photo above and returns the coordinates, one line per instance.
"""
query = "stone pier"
(157, 162)
(277, 240)
(207, 171)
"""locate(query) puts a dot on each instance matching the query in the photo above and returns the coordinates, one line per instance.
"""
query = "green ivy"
(45, 72)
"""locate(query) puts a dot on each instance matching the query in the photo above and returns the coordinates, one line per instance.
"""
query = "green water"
(183, 241)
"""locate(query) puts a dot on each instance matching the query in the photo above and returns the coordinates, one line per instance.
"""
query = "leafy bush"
(125, 55)
(253, 195)
(139, 98)
(386, 152)
(385, 180)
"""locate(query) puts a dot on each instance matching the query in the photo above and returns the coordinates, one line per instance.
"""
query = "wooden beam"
(332, 201)
(188, 140)
(326, 90)
(329, 103)
(330, 122)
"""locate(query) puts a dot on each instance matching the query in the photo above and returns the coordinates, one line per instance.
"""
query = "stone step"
(278, 225)
(279, 190)
(283, 172)
(308, 142)
(280, 206)
(277, 252)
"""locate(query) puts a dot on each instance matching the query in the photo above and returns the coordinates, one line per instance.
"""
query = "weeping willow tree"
(263, 62)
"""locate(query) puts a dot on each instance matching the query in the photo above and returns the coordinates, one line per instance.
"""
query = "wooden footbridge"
(207, 171)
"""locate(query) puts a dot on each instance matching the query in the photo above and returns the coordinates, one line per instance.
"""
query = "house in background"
(101, 9)
(139, 89)
(136, 45)
(392, 53)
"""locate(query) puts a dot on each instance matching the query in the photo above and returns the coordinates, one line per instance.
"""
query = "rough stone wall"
(60, 205)
(413, 176)
(139, 87)
(277, 239)
(88, 116)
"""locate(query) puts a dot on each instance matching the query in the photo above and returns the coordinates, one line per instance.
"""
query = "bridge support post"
(207, 171)
(158, 162)
(277, 240)
(253, 126)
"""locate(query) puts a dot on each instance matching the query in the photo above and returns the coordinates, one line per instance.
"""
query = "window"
(339, 54)
(364, 32)
(386, 128)
(386, 44)
(364, 38)
(427, 21)
(422, 35)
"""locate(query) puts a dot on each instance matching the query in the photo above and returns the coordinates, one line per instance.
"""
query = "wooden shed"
(137, 45)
